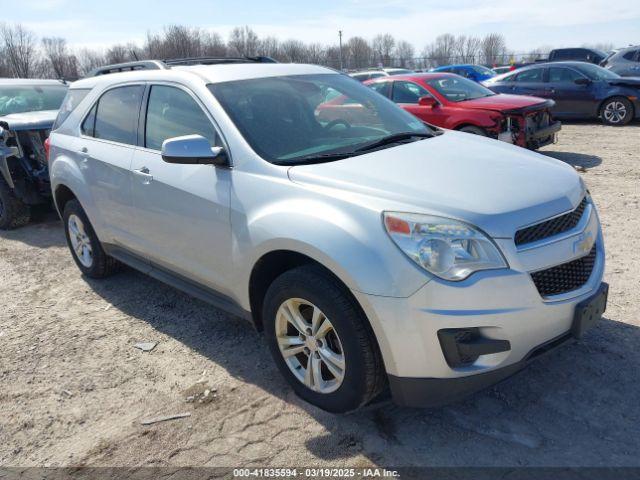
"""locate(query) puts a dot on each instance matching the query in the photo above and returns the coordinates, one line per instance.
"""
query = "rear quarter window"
(69, 104)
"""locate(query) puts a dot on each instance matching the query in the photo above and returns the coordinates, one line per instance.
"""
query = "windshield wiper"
(393, 138)
(315, 158)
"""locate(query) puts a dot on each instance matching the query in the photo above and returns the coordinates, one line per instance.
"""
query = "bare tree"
(243, 41)
(467, 48)
(117, 54)
(441, 51)
(316, 53)
(270, 47)
(88, 60)
(215, 46)
(62, 63)
(359, 52)
(494, 49)
(293, 51)
(404, 53)
(383, 46)
(20, 50)
(182, 42)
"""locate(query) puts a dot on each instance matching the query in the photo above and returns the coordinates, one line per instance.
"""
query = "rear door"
(572, 100)
(529, 82)
(182, 211)
(105, 151)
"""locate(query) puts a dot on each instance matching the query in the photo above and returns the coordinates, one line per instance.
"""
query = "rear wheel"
(474, 130)
(13, 212)
(84, 244)
(616, 111)
(320, 341)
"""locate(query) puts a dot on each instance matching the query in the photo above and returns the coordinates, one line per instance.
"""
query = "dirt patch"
(75, 390)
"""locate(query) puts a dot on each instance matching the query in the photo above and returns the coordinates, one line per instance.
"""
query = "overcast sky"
(526, 24)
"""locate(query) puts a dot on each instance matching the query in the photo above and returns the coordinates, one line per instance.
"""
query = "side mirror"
(582, 81)
(192, 150)
(427, 101)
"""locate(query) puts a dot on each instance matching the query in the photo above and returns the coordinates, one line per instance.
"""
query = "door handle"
(144, 175)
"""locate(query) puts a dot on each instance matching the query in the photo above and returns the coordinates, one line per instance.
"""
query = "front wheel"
(321, 342)
(616, 111)
(83, 242)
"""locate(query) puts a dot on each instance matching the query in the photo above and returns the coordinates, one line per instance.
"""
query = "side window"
(533, 75)
(381, 87)
(89, 124)
(117, 114)
(631, 55)
(172, 112)
(564, 75)
(407, 92)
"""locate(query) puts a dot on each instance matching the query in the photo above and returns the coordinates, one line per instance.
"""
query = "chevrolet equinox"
(374, 251)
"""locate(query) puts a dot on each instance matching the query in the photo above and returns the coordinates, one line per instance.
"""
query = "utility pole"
(340, 38)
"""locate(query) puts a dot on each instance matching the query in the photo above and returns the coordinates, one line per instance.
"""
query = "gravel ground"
(74, 390)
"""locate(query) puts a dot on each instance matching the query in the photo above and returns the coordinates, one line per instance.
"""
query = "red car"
(453, 102)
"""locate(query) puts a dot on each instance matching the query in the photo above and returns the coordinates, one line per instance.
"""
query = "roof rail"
(217, 60)
(128, 67)
(166, 64)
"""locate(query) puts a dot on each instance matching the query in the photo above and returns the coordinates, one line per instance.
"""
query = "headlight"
(447, 248)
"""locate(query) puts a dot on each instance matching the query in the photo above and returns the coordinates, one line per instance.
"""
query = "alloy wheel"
(80, 241)
(310, 345)
(615, 112)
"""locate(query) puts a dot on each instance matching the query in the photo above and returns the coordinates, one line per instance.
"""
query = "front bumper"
(499, 304)
(434, 392)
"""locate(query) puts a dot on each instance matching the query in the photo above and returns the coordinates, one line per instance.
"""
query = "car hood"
(504, 102)
(29, 120)
(493, 185)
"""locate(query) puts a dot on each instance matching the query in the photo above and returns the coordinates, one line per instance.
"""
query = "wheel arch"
(269, 267)
(61, 196)
(275, 263)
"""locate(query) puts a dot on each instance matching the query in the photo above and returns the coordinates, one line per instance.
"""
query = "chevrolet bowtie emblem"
(584, 243)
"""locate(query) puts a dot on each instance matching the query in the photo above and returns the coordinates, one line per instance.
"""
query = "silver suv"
(372, 250)
(624, 61)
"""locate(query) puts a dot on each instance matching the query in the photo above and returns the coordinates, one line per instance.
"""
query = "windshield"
(32, 98)
(594, 72)
(288, 120)
(458, 89)
(483, 70)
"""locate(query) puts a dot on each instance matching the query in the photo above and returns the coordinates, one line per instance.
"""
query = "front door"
(407, 95)
(181, 211)
(572, 100)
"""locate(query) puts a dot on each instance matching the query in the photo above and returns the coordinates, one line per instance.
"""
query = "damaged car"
(28, 109)
(580, 90)
(456, 103)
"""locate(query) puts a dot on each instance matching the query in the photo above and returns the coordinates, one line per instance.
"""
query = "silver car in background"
(371, 249)
(624, 61)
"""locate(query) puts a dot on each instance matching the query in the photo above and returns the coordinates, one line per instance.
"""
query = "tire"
(93, 261)
(363, 376)
(616, 111)
(13, 212)
(474, 130)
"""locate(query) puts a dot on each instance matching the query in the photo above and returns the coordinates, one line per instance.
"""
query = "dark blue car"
(477, 73)
(581, 90)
